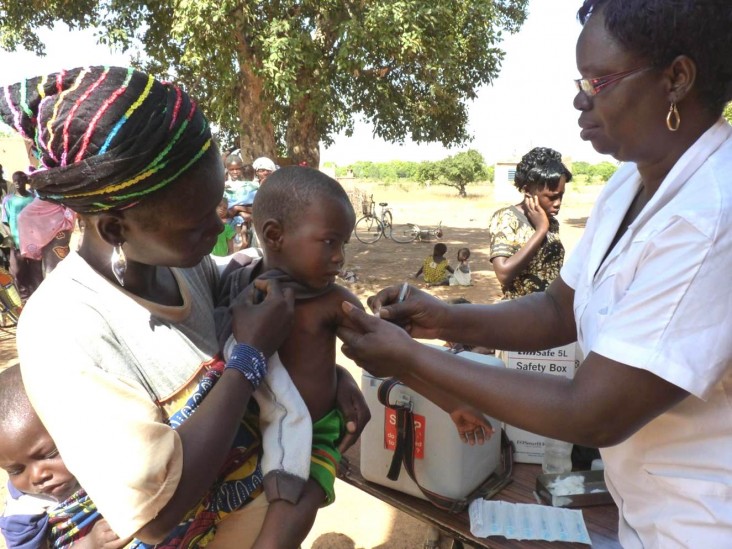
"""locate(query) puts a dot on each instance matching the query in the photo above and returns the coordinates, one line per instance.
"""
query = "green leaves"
(584, 171)
(455, 171)
(291, 74)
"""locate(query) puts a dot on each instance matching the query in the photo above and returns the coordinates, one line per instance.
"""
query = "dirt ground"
(357, 520)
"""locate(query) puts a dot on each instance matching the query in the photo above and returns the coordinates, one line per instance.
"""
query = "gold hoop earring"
(673, 118)
(119, 264)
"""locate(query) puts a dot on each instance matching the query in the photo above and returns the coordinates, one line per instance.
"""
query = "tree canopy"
(431, 172)
(284, 76)
(603, 170)
(454, 171)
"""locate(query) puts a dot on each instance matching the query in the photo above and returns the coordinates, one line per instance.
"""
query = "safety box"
(559, 361)
(443, 464)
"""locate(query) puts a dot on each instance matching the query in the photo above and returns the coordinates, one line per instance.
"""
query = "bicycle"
(371, 227)
(430, 233)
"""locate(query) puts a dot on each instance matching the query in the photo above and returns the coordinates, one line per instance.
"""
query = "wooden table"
(601, 520)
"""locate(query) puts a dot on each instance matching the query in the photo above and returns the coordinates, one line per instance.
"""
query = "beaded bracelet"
(249, 361)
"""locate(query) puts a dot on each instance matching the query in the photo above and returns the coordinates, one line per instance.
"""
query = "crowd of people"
(40, 234)
(242, 183)
(195, 372)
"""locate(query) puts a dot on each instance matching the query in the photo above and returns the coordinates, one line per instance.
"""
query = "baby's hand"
(101, 537)
(471, 425)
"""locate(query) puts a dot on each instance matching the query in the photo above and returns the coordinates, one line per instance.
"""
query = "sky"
(528, 105)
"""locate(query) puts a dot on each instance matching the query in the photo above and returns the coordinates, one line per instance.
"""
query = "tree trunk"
(302, 137)
(257, 136)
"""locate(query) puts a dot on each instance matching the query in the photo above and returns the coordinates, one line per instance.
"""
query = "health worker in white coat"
(647, 292)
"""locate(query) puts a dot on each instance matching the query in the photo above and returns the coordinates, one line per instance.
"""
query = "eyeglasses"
(593, 86)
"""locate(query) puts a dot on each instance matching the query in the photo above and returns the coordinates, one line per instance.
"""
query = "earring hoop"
(119, 264)
(673, 118)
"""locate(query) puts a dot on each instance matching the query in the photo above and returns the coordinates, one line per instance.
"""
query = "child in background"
(45, 505)
(461, 276)
(246, 236)
(225, 241)
(435, 267)
(304, 219)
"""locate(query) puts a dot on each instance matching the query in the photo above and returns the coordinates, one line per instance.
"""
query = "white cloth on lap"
(285, 423)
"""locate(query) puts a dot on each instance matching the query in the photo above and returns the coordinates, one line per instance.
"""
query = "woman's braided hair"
(105, 137)
(542, 167)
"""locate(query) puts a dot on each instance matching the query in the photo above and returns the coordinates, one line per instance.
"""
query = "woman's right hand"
(420, 314)
(263, 323)
(101, 536)
(536, 214)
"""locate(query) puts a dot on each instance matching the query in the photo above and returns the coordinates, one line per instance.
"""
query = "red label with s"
(390, 432)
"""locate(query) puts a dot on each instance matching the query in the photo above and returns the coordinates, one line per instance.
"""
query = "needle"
(403, 292)
(402, 296)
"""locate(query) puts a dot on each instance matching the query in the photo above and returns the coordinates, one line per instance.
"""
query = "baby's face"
(34, 466)
(313, 251)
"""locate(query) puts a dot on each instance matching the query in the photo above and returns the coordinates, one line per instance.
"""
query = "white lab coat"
(662, 301)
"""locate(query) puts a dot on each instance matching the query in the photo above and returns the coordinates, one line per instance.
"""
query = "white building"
(503, 189)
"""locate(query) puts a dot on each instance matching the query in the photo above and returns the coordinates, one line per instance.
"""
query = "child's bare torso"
(309, 352)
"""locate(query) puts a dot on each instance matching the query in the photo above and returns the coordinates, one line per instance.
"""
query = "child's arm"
(470, 422)
(352, 404)
(418, 273)
(349, 398)
(244, 233)
(450, 269)
(471, 425)
(286, 525)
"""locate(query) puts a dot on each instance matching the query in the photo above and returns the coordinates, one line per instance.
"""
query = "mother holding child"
(118, 347)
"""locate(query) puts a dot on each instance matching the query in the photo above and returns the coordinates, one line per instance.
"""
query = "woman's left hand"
(536, 214)
(352, 404)
(263, 325)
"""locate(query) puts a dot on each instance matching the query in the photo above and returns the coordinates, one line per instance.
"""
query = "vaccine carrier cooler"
(443, 464)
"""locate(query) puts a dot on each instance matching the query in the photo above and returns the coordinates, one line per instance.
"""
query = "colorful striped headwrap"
(105, 136)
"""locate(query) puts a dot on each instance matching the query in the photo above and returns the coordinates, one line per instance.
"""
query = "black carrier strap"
(404, 454)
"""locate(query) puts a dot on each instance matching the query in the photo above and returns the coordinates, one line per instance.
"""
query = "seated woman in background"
(526, 252)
